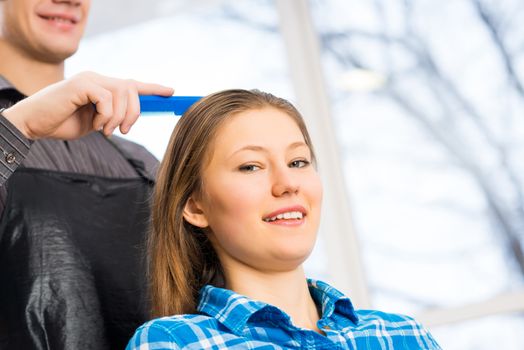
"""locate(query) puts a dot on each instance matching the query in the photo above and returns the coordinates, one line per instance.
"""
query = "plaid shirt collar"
(234, 310)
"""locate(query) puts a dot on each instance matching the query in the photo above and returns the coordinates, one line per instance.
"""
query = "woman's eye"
(299, 163)
(249, 168)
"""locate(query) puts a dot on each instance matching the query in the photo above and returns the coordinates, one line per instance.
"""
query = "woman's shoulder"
(171, 331)
(396, 327)
(172, 323)
(366, 318)
(382, 315)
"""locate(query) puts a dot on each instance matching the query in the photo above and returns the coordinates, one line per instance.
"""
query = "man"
(73, 202)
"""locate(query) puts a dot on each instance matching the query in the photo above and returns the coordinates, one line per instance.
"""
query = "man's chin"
(56, 55)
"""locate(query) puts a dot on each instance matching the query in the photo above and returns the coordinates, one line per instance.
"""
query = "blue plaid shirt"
(227, 320)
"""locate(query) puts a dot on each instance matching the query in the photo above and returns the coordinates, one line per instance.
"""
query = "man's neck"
(27, 74)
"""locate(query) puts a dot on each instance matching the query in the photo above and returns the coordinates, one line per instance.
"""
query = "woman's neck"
(286, 290)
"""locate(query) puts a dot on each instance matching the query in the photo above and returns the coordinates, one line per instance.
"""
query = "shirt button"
(10, 158)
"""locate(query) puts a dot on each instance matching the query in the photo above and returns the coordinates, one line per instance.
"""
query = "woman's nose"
(284, 182)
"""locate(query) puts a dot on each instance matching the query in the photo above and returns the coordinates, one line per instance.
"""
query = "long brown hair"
(181, 258)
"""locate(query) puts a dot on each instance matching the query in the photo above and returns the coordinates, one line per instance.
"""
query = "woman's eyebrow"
(297, 144)
(249, 148)
(256, 148)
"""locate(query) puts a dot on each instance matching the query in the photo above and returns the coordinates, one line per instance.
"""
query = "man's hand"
(76, 106)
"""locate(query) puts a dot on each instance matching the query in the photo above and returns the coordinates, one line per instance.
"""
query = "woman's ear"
(194, 214)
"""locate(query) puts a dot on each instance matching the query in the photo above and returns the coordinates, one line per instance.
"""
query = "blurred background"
(416, 112)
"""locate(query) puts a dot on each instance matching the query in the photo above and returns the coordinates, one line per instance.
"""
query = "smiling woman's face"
(261, 195)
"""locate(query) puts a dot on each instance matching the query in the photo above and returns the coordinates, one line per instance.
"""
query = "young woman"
(235, 214)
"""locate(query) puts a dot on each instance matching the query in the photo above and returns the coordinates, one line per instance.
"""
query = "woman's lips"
(288, 216)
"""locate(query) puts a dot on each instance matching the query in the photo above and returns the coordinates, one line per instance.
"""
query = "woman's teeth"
(286, 216)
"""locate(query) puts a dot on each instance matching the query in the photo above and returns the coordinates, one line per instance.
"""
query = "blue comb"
(176, 104)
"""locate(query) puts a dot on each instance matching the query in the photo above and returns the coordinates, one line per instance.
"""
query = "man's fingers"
(153, 89)
(133, 111)
(120, 97)
(103, 101)
(116, 100)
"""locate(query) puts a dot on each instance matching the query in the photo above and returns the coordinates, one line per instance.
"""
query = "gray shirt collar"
(5, 84)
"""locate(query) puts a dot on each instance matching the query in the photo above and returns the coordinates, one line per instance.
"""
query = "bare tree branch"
(491, 26)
